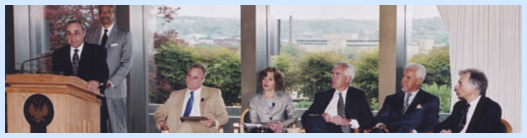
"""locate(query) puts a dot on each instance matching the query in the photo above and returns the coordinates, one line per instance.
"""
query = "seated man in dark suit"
(474, 113)
(342, 109)
(78, 58)
(411, 111)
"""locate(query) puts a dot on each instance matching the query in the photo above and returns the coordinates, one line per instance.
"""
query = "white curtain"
(489, 38)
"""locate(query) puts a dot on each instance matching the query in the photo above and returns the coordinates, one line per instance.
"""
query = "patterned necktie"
(341, 111)
(104, 38)
(464, 117)
(407, 102)
(75, 63)
(188, 109)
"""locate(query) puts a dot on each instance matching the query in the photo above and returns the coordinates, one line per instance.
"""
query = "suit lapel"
(111, 37)
(84, 57)
(327, 99)
(417, 100)
(97, 35)
(399, 102)
(180, 98)
(205, 97)
(478, 112)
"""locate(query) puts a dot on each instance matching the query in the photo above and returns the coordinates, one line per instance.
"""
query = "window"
(313, 38)
(177, 36)
(428, 45)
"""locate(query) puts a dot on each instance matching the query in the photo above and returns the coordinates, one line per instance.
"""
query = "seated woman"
(273, 107)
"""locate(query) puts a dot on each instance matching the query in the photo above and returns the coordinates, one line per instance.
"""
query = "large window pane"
(313, 38)
(180, 35)
(428, 45)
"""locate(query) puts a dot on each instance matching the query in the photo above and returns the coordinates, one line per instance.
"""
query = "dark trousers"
(103, 112)
(317, 124)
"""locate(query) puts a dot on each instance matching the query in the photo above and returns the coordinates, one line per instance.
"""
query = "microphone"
(273, 104)
(22, 66)
(202, 99)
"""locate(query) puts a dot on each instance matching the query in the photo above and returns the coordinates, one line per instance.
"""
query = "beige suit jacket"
(211, 106)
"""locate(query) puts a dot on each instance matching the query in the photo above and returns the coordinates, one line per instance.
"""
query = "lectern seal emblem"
(39, 112)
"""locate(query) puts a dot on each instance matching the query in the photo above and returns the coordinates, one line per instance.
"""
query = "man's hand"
(382, 127)
(446, 131)
(276, 127)
(208, 122)
(92, 85)
(337, 120)
(161, 125)
(108, 84)
(326, 117)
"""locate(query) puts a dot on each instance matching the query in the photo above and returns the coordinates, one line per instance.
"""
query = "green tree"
(437, 64)
(441, 91)
(173, 59)
(437, 81)
(315, 72)
(367, 75)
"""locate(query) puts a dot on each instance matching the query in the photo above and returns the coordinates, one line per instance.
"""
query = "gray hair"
(350, 70)
(75, 21)
(421, 70)
(477, 78)
(199, 66)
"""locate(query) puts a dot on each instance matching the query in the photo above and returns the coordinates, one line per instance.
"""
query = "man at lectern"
(78, 58)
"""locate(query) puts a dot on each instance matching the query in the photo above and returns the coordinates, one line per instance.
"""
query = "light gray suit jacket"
(119, 49)
(282, 104)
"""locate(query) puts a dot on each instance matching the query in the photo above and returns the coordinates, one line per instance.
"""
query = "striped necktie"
(341, 111)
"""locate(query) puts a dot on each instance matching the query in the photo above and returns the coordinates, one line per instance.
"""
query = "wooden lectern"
(45, 103)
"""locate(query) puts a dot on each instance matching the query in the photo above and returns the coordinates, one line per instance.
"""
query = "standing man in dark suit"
(411, 111)
(117, 41)
(342, 109)
(78, 58)
(474, 113)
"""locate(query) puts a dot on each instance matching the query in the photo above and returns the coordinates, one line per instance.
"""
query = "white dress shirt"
(196, 108)
(195, 105)
(470, 112)
(411, 99)
(331, 109)
(72, 52)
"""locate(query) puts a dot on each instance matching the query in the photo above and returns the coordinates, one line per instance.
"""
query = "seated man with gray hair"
(412, 110)
(341, 109)
(474, 112)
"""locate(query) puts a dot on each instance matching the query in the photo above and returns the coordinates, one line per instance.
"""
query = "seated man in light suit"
(342, 109)
(195, 100)
(411, 111)
(474, 113)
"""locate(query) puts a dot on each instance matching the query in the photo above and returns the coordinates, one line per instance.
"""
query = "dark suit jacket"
(486, 118)
(423, 119)
(356, 105)
(92, 64)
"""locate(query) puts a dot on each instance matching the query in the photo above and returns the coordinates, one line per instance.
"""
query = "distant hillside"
(366, 29)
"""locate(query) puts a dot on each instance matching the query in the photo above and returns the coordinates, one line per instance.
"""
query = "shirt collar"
(196, 91)
(475, 102)
(109, 28)
(79, 48)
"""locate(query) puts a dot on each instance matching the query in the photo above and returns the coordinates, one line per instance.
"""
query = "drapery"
(488, 38)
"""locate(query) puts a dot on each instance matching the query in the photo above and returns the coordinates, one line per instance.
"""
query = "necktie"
(341, 111)
(407, 101)
(104, 38)
(464, 117)
(188, 109)
(75, 63)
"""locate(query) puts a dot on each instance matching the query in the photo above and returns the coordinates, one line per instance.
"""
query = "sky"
(360, 12)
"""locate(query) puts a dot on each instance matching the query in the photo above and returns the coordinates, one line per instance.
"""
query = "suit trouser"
(317, 124)
(194, 127)
(117, 114)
